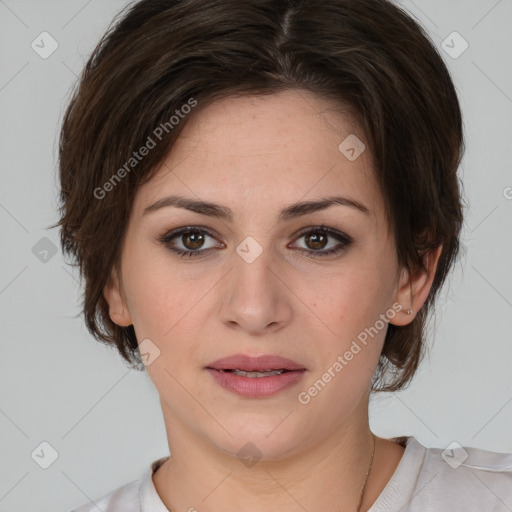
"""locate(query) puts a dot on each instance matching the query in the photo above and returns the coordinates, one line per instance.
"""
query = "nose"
(255, 297)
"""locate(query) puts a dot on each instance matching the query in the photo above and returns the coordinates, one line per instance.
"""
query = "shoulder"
(123, 499)
(137, 496)
(455, 478)
(470, 478)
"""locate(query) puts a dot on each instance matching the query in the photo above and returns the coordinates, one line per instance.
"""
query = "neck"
(200, 476)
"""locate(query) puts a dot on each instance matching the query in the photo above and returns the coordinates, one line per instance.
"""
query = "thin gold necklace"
(366, 478)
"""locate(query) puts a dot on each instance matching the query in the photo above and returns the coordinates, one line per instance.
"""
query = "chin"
(261, 437)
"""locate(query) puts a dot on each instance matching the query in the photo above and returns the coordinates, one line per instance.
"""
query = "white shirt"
(422, 482)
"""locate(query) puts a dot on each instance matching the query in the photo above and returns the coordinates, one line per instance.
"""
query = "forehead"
(264, 152)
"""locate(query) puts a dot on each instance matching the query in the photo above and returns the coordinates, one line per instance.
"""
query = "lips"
(256, 377)
(255, 364)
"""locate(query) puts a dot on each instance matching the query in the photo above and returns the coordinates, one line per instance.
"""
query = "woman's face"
(259, 282)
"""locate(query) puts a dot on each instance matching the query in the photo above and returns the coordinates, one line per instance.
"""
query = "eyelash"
(344, 240)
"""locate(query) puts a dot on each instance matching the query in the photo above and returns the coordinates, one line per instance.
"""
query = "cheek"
(347, 300)
(149, 294)
(167, 303)
(347, 343)
(347, 307)
(152, 298)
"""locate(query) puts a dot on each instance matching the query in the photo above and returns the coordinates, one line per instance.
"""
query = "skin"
(257, 155)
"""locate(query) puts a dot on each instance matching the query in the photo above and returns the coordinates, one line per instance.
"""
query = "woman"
(263, 199)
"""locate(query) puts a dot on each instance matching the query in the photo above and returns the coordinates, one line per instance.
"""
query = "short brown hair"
(157, 55)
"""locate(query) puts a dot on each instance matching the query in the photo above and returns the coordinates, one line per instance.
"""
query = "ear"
(413, 289)
(115, 298)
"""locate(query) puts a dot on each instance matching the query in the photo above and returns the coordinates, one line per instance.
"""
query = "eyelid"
(343, 239)
(326, 229)
(175, 233)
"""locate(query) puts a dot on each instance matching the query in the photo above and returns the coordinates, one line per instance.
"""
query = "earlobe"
(413, 288)
(118, 309)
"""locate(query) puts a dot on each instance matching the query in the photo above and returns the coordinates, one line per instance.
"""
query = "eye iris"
(196, 240)
(314, 238)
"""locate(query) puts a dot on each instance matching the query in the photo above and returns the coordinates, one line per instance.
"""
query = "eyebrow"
(292, 211)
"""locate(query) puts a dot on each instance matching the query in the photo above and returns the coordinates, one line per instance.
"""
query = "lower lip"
(257, 387)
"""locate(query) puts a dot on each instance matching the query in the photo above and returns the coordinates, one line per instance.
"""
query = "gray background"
(104, 421)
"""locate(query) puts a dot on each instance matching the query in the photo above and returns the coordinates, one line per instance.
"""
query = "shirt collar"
(150, 500)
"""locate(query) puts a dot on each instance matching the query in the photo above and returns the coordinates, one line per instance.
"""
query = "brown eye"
(189, 241)
(317, 239)
(193, 240)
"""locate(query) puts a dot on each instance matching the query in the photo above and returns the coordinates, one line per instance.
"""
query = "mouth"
(254, 374)
(259, 366)
(256, 377)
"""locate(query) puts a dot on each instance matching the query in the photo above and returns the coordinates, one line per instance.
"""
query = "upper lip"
(260, 363)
